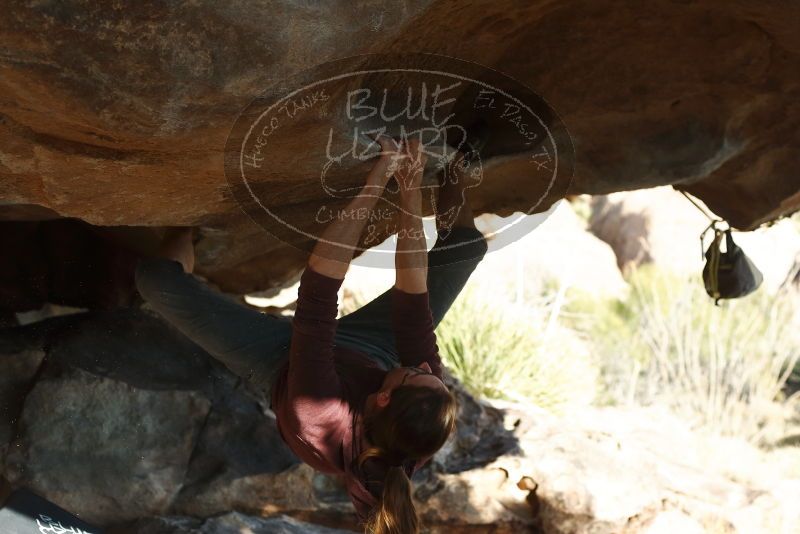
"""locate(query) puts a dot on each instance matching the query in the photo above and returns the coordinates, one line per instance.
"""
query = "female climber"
(361, 397)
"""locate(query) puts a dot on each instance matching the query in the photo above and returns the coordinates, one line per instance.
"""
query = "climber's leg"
(460, 246)
(450, 264)
(251, 344)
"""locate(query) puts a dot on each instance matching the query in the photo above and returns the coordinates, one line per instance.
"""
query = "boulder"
(240, 462)
(130, 426)
(650, 226)
(610, 470)
(20, 359)
(230, 523)
(559, 250)
(129, 419)
(119, 117)
(90, 444)
(659, 226)
(673, 521)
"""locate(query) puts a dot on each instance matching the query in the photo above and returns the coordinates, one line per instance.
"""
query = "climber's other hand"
(411, 169)
(390, 159)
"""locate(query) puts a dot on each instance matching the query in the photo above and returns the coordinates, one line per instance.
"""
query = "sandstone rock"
(291, 490)
(109, 428)
(121, 118)
(481, 435)
(480, 439)
(673, 521)
(605, 469)
(90, 444)
(20, 359)
(231, 523)
(650, 226)
(559, 250)
(240, 462)
(128, 422)
(167, 430)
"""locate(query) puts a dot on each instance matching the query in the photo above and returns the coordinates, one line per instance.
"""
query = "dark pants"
(254, 345)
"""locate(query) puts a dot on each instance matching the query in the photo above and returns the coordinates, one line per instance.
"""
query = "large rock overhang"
(120, 117)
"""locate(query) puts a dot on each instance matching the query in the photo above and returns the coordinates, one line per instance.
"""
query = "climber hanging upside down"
(361, 397)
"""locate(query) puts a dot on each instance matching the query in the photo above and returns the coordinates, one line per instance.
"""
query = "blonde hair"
(414, 425)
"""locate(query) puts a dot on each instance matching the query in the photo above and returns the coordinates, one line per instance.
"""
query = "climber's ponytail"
(395, 514)
(415, 424)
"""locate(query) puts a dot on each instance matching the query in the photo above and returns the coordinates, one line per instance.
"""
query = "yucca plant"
(723, 368)
(502, 350)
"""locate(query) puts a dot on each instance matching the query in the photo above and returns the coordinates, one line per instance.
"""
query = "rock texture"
(129, 426)
(618, 470)
(116, 417)
(20, 359)
(79, 448)
(119, 116)
(226, 524)
(560, 250)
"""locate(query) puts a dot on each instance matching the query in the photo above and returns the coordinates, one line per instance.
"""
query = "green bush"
(723, 368)
(501, 350)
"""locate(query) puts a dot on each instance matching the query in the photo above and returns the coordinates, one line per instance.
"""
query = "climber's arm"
(334, 250)
(411, 256)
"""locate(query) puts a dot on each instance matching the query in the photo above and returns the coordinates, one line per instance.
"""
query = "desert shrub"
(500, 350)
(723, 368)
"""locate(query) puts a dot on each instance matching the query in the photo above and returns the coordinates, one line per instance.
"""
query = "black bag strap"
(713, 256)
(730, 274)
(731, 246)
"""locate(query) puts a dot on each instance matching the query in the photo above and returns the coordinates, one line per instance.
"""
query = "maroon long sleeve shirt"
(319, 398)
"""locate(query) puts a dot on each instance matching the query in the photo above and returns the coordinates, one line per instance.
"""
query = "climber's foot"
(452, 206)
(177, 244)
(475, 138)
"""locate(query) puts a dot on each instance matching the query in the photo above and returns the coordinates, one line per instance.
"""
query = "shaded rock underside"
(119, 117)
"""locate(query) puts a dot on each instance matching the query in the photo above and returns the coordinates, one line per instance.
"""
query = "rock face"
(227, 524)
(129, 419)
(119, 117)
(561, 250)
(638, 470)
(20, 359)
(132, 439)
(116, 417)
(655, 225)
(126, 424)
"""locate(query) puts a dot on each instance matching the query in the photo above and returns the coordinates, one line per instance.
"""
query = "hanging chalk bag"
(730, 274)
